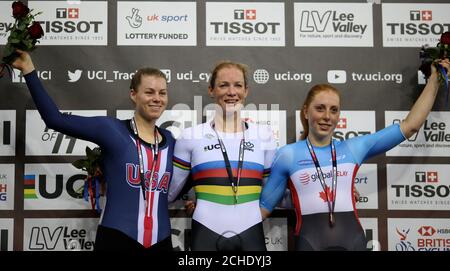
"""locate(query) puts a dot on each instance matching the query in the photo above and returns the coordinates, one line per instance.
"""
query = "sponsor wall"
(91, 49)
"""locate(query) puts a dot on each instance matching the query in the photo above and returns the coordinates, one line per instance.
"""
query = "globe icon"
(261, 76)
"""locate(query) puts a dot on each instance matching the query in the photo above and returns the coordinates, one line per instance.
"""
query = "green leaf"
(28, 44)
(89, 152)
(14, 41)
(81, 163)
(8, 50)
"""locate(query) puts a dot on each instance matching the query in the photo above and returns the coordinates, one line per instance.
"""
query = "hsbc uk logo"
(432, 239)
(426, 231)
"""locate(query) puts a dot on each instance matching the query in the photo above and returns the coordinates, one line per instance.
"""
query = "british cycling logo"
(403, 245)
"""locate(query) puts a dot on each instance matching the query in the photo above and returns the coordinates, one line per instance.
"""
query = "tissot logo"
(245, 24)
(245, 14)
(342, 123)
(421, 15)
(427, 186)
(66, 24)
(346, 129)
(246, 27)
(67, 13)
(413, 25)
(426, 176)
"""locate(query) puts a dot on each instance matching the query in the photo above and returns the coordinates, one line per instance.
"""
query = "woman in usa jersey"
(136, 160)
(320, 171)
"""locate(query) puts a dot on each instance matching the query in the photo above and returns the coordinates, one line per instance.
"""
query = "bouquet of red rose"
(432, 55)
(24, 34)
(94, 186)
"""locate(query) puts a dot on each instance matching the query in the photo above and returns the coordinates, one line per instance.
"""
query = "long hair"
(309, 97)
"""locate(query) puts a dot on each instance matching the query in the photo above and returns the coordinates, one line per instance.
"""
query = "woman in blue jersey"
(136, 160)
(227, 159)
(320, 171)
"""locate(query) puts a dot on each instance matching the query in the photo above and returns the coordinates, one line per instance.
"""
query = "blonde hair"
(227, 64)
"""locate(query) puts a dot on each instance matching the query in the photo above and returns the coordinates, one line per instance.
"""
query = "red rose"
(35, 31)
(445, 38)
(19, 9)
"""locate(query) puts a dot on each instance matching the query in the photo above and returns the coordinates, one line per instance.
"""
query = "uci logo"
(211, 147)
(72, 186)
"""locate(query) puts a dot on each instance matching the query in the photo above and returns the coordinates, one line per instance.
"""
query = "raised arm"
(23, 62)
(424, 103)
(86, 128)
